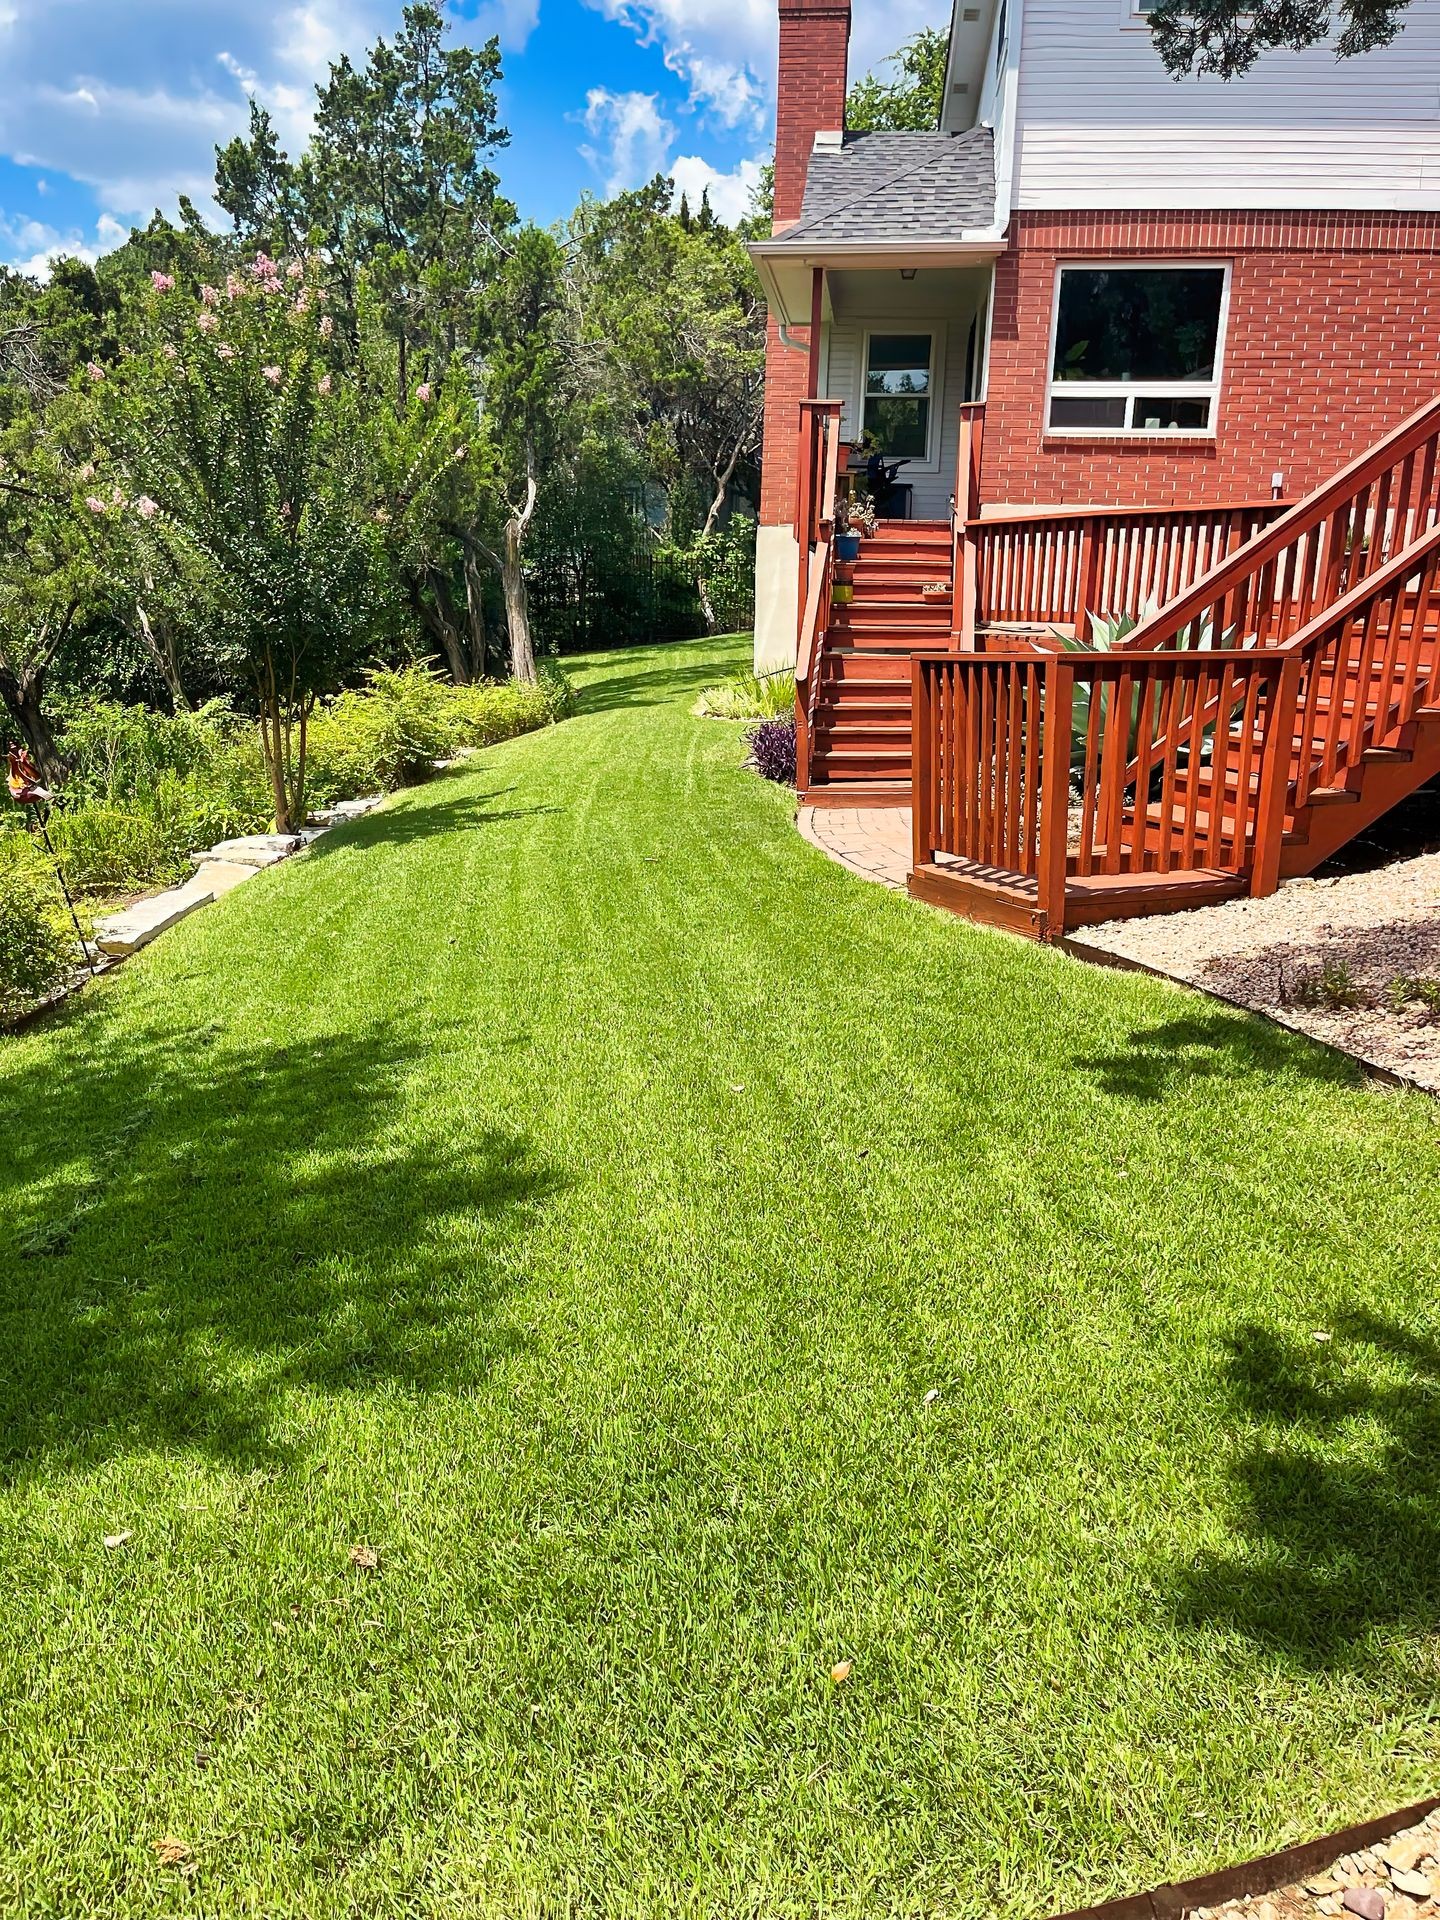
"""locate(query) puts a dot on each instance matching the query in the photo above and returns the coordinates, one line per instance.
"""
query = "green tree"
(1227, 37)
(533, 409)
(910, 102)
(235, 465)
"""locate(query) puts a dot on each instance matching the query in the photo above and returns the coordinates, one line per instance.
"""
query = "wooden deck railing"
(816, 484)
(1046, 766)
(1270, 589)
(1054, 566)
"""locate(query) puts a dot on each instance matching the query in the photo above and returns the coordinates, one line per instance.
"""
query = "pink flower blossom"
(94, 503)
(234, 286)
(225, 350)
(264, 266)
(117, 496)
(95, 370)
(210, 295)
(146, 507)
(163, 282)
(169, 351)
(302, 300)
(272, 374)
(327, 327)
(87, 472)
(422, 393)
(295, 271)
(206, 321)
(324, 383)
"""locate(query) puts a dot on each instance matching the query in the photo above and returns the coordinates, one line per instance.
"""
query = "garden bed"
(1346, 958)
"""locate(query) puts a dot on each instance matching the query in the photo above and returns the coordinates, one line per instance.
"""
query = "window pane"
(1172, 410)
(899, 426)
(898, 363)
(1087, 413)
(1140, 323)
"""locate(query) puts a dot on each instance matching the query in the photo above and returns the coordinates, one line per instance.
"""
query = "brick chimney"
(810, 91)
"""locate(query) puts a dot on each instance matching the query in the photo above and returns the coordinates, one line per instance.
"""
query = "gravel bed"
(1377, 925)
(1398, 1878)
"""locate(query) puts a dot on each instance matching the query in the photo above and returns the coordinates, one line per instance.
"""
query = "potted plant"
(847, 532)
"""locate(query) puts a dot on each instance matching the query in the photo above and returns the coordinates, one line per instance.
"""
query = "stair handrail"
(1327, 507)
(819, 479)
(964, 517)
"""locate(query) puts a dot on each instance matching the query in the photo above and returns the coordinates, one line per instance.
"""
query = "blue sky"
(110, 108)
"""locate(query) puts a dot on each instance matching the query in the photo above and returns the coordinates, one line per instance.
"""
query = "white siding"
(1101, 124)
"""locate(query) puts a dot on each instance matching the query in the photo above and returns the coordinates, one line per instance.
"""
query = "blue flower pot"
(847, 546)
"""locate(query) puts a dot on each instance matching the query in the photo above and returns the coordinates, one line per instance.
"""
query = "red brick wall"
(810, 98)
(1333, 336)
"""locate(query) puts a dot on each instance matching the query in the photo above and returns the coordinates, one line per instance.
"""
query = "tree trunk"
(475, 610)
(21, 693)
(162, 651)
(447, 625)
(517, 604)
(707, 605)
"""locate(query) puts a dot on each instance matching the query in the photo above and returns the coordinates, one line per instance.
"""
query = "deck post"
(1274, 778)
(1059, 679)
(964, 557)
(1089, 576)
(922, 762)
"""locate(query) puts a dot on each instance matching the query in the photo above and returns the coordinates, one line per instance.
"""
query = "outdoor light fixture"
(907, 273)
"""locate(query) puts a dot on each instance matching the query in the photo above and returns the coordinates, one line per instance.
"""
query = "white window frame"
(1131, 390)
(936, 331)
(1134, 15)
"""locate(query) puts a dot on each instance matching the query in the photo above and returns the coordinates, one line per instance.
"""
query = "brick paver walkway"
(871, 841)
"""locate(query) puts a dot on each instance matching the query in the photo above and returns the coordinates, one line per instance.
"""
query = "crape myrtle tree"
(1227, 37)
(395, 186)
(51, 563)
(232, 459)
(909, 98)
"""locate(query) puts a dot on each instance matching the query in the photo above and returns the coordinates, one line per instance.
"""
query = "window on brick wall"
(1137, 348)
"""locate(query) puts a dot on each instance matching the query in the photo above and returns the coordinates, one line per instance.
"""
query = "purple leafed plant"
(772, 750)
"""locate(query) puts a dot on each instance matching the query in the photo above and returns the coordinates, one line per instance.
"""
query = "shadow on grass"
(1211, 1044)
(197, 1225)
(663, 687)
(397, 826)
(1336, 1496)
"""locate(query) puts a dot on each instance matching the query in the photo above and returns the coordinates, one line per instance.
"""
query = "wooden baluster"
(1091, 555)
(1169, 694)
(1339, 642)
(1033, 747)
(1420, 654)
(1219, 766)
(1396, 624)
(952, 791)
(1114, 761)
(1199, 689)
(924, 835)
(1015, 766)
(1145, 720)
(1089, 793)
(1059, 678)
(1274, 773)
(1245, 759)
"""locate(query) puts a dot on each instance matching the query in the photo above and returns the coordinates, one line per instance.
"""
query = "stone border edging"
(1263, 1875)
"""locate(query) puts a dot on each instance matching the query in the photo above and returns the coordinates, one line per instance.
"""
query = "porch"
(1285, 694)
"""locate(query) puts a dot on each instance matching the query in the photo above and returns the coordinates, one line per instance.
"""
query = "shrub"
(38, 950)
(752, 696)
(1332, 986)
(772, 750)
(390, 732)
(146, 789)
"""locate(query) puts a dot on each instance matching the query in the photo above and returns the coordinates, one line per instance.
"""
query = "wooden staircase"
(1243, 733)
(860, 713)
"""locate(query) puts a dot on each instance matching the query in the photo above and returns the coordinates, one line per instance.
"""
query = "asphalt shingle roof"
(898, 186)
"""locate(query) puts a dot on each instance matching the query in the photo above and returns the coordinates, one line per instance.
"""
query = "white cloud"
(724, 50)
(633, 137)
(131, 99)
(730, 193)
(30, 246)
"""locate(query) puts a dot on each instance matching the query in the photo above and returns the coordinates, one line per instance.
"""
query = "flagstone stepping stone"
(126, 932)
(251, 850)
(344, 810)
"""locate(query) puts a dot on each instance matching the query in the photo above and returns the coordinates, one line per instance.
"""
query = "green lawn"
(571, 1185)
